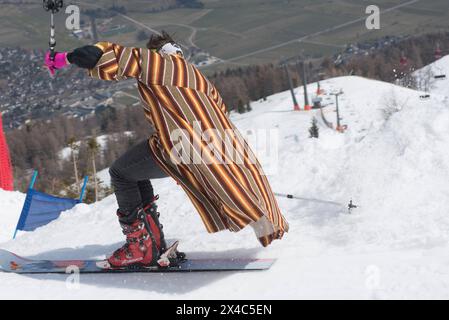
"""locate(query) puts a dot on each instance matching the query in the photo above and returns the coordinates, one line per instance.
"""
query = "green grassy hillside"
(239, 31)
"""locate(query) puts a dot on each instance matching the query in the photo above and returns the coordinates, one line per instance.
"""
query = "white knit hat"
(171, 48)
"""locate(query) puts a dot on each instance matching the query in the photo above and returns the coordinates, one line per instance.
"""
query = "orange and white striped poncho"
(177, 97)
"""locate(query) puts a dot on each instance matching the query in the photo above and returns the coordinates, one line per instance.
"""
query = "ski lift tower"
(290, 83)
(339, 128)
(301, 65)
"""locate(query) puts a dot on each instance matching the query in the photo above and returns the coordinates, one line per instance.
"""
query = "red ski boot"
(156, 227)
(140, 248)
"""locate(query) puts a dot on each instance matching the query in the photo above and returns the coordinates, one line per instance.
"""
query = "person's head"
(164, 43)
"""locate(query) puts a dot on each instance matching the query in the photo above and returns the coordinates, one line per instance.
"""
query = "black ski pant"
(130, 177)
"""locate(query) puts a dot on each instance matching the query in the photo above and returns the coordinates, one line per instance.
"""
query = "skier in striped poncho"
(194, 142)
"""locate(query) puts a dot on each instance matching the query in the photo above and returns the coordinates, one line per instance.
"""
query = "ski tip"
(175, 245)
(103, 264)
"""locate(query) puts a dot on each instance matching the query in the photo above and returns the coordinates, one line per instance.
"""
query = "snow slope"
(437, 68)
(11, 205)
(395, 167)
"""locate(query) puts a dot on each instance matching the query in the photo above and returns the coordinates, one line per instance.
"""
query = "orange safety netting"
(6, 177)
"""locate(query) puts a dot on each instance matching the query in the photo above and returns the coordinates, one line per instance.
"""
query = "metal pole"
(338, 110)
(53, 7)
(83, 190)
(302, 70)
(290, 196)
(33, 179)
(337, 94)
(15, 234)
(295, 102)
(52, 42)
(30, 187)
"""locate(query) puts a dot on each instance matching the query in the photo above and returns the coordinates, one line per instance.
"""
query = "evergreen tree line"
(38, 145)
(240, 86)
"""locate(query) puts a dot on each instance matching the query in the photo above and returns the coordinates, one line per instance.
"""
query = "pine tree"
(241, 107)
(93, 150)
(74, 148)
(314, 130)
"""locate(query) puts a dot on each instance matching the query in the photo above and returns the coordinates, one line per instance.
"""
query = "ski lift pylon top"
(438, 52)
(403, 61)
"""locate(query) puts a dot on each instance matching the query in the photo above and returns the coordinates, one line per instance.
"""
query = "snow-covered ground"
(392, 161)
(435, 76)
(11, 205)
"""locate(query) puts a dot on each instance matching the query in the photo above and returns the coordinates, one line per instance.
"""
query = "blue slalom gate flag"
(40, 208)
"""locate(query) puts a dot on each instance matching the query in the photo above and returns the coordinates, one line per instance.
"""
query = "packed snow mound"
(391, 161)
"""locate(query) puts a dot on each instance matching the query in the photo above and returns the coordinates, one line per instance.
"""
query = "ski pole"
(350, 206)
(290, 196)
(53, 7)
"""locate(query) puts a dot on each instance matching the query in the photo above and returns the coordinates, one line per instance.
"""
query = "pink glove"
(59, 62)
